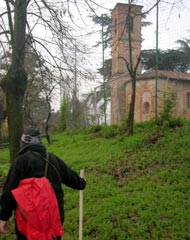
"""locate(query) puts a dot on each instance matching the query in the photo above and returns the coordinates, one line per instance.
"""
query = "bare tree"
(18, 27)
(132, 68)
(15, 82)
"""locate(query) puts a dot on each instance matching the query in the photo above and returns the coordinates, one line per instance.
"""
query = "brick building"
(146, 82)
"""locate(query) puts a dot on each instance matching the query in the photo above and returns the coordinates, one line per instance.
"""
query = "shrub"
(144, 126)
(176, 122)
(169, 101)
(64, 114)
(95, 129)
(110, 131)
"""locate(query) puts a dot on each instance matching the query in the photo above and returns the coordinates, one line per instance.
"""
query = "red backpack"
(37, 212)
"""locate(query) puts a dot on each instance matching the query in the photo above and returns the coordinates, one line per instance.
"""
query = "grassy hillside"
(138, 187)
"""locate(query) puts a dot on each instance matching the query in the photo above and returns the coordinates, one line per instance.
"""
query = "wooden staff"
(81, 208)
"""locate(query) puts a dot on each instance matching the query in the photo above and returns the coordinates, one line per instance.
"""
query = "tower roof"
(124, 5)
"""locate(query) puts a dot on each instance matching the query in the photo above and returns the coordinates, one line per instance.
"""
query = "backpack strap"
(47, 164)
(46, 161)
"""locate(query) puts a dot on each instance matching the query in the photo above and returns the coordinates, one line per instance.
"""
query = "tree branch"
(127, 64)
(5, 32)
(10, 21)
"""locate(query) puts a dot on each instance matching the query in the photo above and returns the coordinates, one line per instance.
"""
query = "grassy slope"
(136, 189)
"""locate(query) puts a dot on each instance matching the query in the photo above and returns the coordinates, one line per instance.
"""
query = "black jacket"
(31, 163)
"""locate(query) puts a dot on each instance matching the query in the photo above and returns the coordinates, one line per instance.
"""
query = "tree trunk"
(14, 88)
(15, 82)
(130, 120)
(47, 121)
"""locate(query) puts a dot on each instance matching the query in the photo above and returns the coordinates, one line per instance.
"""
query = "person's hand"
(4, 226)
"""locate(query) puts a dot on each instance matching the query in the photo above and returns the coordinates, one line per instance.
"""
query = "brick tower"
(122, 21)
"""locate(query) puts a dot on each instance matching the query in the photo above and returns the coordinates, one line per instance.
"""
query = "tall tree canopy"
(169, 60)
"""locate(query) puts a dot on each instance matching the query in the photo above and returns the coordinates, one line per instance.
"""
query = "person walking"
(33, 163)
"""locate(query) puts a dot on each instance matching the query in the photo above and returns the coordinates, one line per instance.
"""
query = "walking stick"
(81, 208)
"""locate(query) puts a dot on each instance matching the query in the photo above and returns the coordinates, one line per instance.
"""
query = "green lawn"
(136, 188)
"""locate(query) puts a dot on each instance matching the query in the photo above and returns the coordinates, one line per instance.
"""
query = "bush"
(169, 99)
(110, 131)
(144, 126)
(95, 129)
(105, 131)
(176, 122)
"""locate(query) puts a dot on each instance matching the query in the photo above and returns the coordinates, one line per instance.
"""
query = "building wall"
(182, 88)
(118, 98)
(145, 95)
(145, 100)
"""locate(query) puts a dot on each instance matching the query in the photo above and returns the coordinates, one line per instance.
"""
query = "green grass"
(136, 188)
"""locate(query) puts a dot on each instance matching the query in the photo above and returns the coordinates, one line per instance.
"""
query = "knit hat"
(31, 136)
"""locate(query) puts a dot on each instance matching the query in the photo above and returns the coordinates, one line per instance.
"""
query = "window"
(129, 23)
(146, 107)
(115, 26)
(188, 100)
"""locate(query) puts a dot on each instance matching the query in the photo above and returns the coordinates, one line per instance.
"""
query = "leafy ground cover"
(138, 187)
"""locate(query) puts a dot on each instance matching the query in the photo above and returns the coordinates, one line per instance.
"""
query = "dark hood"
(39, 148)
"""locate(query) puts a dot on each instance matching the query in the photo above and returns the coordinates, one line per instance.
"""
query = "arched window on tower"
(188, 100)
(129, 23)
(115, 26)
(146, 107)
